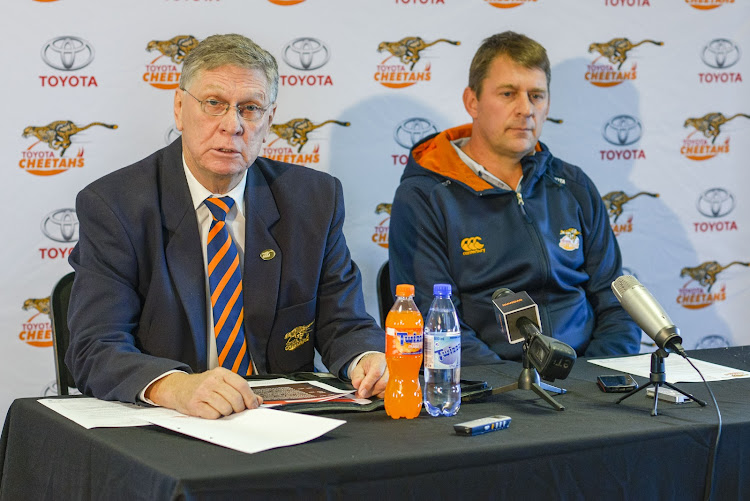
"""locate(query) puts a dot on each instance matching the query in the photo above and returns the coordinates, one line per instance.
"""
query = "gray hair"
(519, 48)
(232, 49)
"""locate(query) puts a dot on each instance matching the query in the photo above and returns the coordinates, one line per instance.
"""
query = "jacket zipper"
(542, 249)
(519, 198)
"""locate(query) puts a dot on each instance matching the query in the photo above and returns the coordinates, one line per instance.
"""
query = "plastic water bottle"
(442, 355)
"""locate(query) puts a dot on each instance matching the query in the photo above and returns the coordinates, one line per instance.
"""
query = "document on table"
(252, 430)
(248, 431)
(676, 368)
(282, 391)
(94, 413)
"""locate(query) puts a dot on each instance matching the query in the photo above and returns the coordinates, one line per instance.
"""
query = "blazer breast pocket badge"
(298, 336)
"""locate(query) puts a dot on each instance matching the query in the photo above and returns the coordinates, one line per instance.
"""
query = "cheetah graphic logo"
(705, 273)
(295, 131)
(709, 124)
(614, 200)
(41, 305)
(176, 48)
(298, 336)
(57, 134)
(615, 49)
(569, 239)
(383, 207)
(408, 49)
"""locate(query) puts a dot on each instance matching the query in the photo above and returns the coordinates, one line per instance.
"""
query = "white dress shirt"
(235, 222)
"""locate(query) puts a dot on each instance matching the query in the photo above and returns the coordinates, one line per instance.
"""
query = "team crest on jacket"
(298, 336)
(472, 245)
(569, 240)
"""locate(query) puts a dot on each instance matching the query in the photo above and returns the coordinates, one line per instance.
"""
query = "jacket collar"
(436, 154)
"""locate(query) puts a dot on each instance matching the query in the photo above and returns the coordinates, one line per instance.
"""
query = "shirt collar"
(479, 169)
(198, 192)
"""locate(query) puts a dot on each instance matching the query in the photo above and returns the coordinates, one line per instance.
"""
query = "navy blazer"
(138, 306)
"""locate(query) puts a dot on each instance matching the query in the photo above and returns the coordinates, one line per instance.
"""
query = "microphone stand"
(530, 380)
(657, 379)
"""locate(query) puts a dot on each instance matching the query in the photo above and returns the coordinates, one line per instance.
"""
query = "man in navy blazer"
(139, 315)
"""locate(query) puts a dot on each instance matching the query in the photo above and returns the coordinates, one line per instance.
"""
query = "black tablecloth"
(594, 449)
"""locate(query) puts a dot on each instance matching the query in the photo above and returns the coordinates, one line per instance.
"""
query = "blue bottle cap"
(441, 289)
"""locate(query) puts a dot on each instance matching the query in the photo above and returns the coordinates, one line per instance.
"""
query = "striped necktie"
(225, 281)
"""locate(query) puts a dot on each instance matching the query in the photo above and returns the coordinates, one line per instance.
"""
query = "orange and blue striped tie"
(225, 281)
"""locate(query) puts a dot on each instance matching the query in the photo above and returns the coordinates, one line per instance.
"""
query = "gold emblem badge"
(298, 336)
(268, 254)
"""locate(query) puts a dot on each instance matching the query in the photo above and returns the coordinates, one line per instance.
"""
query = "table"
(594, 449)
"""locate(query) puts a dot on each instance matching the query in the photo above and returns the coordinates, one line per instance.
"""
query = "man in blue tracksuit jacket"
(486, 205)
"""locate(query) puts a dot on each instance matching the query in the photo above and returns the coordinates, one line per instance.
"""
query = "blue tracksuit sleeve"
(418, 255)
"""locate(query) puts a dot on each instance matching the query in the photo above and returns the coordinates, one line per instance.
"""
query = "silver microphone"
(648, 313)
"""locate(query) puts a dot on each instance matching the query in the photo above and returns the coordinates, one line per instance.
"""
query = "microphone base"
(657, 379)
(529, 380)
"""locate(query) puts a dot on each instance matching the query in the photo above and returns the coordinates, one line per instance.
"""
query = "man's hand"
(211, 394)
(370, 376)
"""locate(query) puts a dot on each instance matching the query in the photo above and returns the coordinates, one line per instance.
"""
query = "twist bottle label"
(442, 351)
(404, 342)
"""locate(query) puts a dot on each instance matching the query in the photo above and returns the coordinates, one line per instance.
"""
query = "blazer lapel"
(183, 250)
(262, 269)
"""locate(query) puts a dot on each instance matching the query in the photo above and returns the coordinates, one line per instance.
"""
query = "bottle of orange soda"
(403, 353)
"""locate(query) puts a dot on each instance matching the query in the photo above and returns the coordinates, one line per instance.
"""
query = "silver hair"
(231, 49)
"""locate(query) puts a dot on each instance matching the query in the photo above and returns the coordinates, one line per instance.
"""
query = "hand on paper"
(211, 394)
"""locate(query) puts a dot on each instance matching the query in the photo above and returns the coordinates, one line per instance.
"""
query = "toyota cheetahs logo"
(57, 134)
(705, 273)
(295, 131)
(176, 48)
(616, 49)
(614, 200)
(709, 124)
(408, 48)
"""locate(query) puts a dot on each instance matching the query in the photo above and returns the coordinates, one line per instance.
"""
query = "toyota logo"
(622, 130)
(171, 134)
(720, 53)
(712, 341)
(628, 271)
(715, 202)
(305, 53)
(412, 130)
(61, 225)
(67, 53)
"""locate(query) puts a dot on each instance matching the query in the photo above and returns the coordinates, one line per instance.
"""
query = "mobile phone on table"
(616, 383)
(482, 425)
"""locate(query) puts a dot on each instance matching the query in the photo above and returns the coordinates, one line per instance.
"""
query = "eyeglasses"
(214, 107)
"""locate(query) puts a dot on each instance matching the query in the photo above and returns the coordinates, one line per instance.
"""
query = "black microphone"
(648, 314)
(519, 318)
(513, 307)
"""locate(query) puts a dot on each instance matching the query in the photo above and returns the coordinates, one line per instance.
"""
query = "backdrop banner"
(647, 96)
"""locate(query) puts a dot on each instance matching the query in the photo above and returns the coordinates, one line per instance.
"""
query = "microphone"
(648, 314)
(519, 319)
(513, 307)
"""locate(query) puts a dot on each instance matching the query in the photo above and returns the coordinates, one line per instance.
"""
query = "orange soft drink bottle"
(403, 353)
